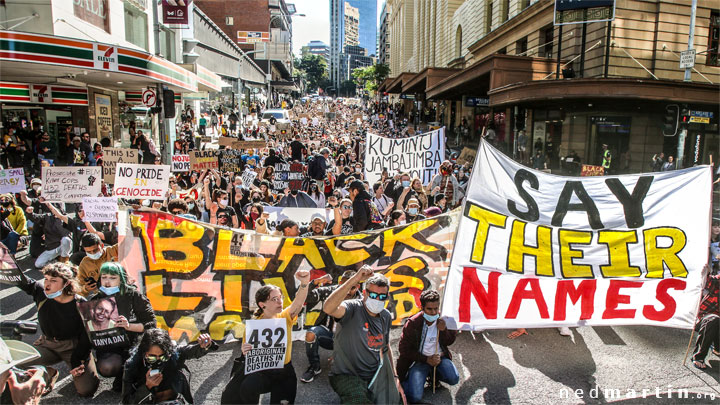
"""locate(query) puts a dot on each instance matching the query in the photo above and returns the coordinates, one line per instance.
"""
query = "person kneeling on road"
(423, 346)
(154, 372)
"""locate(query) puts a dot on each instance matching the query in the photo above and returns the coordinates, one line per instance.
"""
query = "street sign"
(700, 117)
(687, 59)
(476, 101)
(149, 97)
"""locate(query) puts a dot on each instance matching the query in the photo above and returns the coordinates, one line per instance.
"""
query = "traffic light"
(169, 103)
(685, 116)
(670, 120)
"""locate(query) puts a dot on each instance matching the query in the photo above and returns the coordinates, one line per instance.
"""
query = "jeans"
(324, 339)
(11, 242)
(246, 389)
(708, 334)
(47, 256)
(414, 385)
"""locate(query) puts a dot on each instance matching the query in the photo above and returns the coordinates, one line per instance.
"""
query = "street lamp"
(267, 52)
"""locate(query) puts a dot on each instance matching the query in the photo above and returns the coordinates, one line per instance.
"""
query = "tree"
(314, 68)
(371, 77)
(347, 88)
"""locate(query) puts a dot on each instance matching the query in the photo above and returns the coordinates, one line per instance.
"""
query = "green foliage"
(370, 77)
(314, 69)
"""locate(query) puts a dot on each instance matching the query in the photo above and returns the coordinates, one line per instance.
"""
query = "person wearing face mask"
(362, 337)
(446, 183)
(96, 255)
(135, 315)
(396, 218)
(316, 194)
(255, 215)
(220, 212)
(14, 220)
(63, 336)
(154, 372)
(365, 213)
(398, 185)
(412, 212)
(423, 346)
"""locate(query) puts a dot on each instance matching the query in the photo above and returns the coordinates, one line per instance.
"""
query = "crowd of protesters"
(79, 258)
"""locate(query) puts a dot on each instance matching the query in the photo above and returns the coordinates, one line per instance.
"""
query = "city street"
(595, 365)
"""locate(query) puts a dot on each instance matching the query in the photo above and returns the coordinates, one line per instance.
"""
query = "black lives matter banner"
(203, 278)
(541, 250)
(420, 155)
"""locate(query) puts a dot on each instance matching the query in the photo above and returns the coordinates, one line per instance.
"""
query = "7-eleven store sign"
(105, 57)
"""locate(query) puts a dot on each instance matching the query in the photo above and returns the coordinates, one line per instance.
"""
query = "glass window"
(167, 44)
(713, 54)
(136, 27)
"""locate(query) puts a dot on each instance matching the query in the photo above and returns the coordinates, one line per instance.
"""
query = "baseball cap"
(317, 215)
(14, 352)
(36, 180)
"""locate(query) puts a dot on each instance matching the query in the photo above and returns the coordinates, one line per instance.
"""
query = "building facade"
(351, 31)
(504, 64)
(383, 48)
(366, 35)
(318, 48)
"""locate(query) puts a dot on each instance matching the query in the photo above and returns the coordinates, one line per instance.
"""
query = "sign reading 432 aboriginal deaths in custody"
(540, 250)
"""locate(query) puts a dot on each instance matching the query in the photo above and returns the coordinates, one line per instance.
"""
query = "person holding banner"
(281, 383)
(154, 372)
(424, 347)
(708, 323)
(446, 183)
(135, 316)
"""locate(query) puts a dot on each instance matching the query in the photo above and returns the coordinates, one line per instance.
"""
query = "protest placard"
(268, 338)
(100, 317)
(113, 156)
(10, 273)
(420, 156)
(231, 160)
(204, 159)
(540, 250)
(100, 209)
(180, 163)
(467, 155)
(242, 145)
(142, 181)
(590, 170)
(300, 215)
(71, 183)
(288, 175)
(12, 181)
(248, 177)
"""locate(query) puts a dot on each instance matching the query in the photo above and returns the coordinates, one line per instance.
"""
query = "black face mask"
(5, 204)
(256, 199)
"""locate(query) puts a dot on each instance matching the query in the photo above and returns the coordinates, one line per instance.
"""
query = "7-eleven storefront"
(94, 73)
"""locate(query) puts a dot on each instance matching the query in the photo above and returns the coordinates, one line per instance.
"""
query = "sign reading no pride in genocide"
(12, 181)
(71, 184)
(268, 338)
(204, 159)
(142, 181)
(100, 209)
(420, 156)
(113, 156)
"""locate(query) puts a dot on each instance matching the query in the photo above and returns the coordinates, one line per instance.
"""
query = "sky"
(316, 26)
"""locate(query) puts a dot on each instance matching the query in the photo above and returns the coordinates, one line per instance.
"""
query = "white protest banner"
(12, 181)
(180, 163)
(268, 338)
(421, 155)
(142, 181)
(248, 177)
(540, 250)
(71, 183)
(113, 156)
(100, 209)
(300, 215)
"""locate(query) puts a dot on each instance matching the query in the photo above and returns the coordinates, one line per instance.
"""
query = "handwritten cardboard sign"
(142, 181)
(113, 156)
(12, 181)
(180, 163)
(204, 159)
(71, 183)
(231, 160)
(100, 209)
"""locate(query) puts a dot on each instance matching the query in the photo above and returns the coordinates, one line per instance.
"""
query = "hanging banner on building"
(71, 184)
(12, 181)
(100, 209)
(203, 278)
(268, 338)
(180, 163)
(203, 160)
(142, 181)
(113, 156)
(100, 317)
(10, 273)
(175, 12)
(420, 156)
(545, 250)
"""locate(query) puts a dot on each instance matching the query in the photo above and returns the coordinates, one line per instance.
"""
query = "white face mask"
(374, 306)
(95, 255)
(35, 187)
(224, 202)
(402, 222)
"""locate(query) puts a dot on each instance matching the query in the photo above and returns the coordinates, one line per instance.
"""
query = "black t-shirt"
(347, 226)
(296, 148)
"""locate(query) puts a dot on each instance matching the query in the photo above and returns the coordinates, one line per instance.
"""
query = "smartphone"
(154, 372)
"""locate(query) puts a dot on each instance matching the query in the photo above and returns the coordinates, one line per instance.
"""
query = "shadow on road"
(486, 372)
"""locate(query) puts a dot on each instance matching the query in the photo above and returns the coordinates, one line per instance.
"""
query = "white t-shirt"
(430, 346)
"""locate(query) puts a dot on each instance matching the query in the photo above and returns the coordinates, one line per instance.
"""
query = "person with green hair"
(135, 315)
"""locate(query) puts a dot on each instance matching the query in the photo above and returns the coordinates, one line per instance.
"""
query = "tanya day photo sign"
(142, 181)
(268, 338)
(420, 155)
(100, 209)
(180, 163)
(12, 181)
(549, 251)
(99, 317)
(71, 184)
(113, 156)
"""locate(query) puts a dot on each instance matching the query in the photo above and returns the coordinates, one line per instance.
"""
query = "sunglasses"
(377, 296)
(151, 359)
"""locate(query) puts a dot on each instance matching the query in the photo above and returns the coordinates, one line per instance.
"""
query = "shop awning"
(396, 85)
(429, 77)
(38, 58)
(207, 80)
(282, 85)
(384, 85)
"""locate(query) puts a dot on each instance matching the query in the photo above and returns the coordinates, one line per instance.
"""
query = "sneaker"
(565, 331)
(310, 374)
